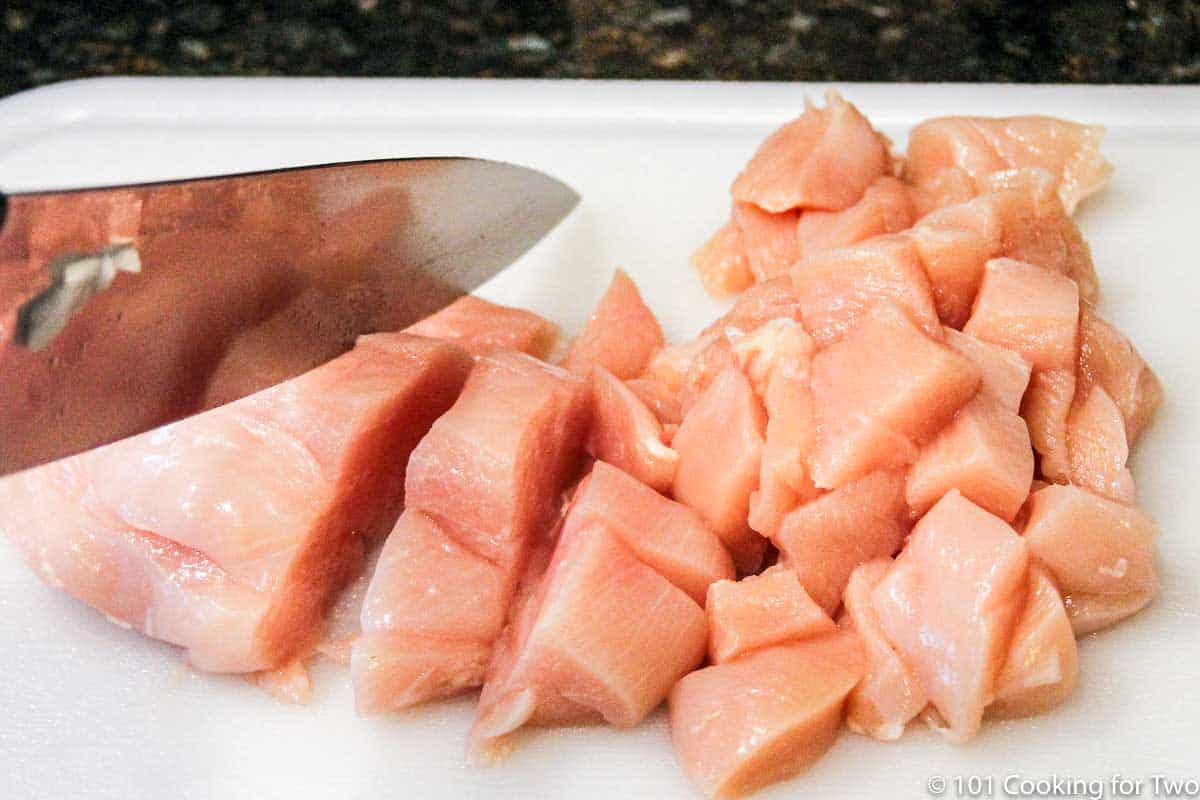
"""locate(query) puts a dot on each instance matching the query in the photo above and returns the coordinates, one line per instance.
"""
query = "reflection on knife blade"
(75, 279)
(244, 281)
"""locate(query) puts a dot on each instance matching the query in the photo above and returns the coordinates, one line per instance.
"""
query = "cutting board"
(94, 711)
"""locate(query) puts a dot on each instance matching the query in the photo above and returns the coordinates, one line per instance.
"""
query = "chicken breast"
(228, 533)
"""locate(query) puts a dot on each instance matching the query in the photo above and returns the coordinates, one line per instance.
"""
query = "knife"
(123, 308)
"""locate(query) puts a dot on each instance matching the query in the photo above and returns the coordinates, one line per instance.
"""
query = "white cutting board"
(93, 711)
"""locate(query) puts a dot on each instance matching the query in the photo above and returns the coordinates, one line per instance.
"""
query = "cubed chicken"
(825, 159)
(949, 606)
(1090, 544)
(1099, 449)
(886, 207)
(608, 637)
(837, 288)
(880, 392)
(823, 540)
(890, 694)
(1042, 666)
(984, 453)
(760, 611)
(768, 240)
(1035, 312)
(483, 484)
(721, 263)
(983, 145)
(621, 335)
(668, 536)
(627, 434)
(740, 726)
(1107, 359)
(720, 444)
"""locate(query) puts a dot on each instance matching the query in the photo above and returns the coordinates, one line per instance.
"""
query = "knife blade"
(123, 308)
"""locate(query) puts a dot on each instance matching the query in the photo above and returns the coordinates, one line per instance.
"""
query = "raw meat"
(721, 263)
(1090, 544)
(740, 726)
(879, 392)
(483, 485)
(777, 358)
(1035, 312)
(889, 695)
(760, 611)
(949, 605)
(1107, 359)
(621, 335)
(627, 434)
(837, 288)
(1005, 375)
(984, 453)
(606, 636)
(659, 398)
(667, 536)
(720, 444)
(1099, 449)
(825, 159)
(768, 240)
(823, 540)
(227, 533)
(480, 326)
(886, 207)
(982, 145)
(1042, 666)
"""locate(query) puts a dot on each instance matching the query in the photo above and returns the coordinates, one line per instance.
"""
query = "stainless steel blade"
(123, 308)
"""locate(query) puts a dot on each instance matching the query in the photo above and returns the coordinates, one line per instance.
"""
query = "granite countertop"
(1134, 41)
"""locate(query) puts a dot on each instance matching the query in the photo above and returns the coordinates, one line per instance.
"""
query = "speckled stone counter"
(1135, 41)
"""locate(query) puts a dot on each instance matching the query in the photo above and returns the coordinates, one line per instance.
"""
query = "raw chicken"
(777, 358)
(983, 145)
(627, 434)
(949, 605)
(879, 392)
(740, 726)
(1095, 612)
(721, 263)
(890, 694)
(760, 611)
(823, 540)
(984, 453)
(1036, 229)
(1099, 449)
(824, 159)
(1017, 216)
(1005, 374)
(953, 244)
(480, 326)
(768, 240)
(1035, 312)
(606, 636)
(227, 533)
(621, 335)
(837, 288)
(1090, 544)
(659, 398)
(886, 207)
(667, 536)
(1042, 666)
(1107, 359)
(483, 484)
(720, 444)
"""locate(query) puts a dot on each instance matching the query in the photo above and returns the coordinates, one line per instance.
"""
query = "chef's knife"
(123, 308)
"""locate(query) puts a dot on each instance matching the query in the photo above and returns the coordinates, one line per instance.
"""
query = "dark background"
(1124, 41)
